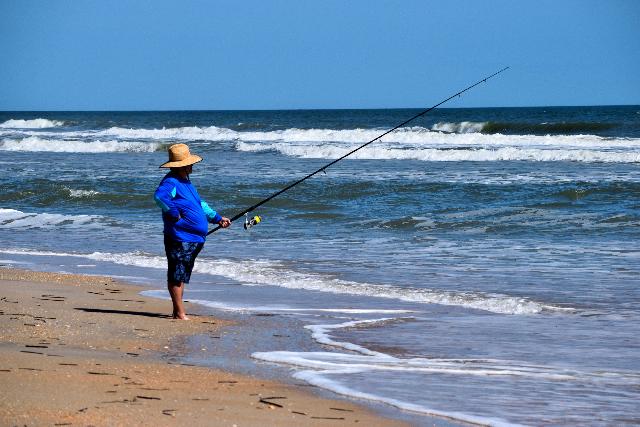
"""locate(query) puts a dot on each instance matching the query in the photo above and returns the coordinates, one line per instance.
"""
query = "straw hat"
(179, 155)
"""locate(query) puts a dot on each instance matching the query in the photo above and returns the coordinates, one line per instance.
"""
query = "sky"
(304, 54)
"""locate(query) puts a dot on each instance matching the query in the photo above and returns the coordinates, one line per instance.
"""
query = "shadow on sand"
(129, 312)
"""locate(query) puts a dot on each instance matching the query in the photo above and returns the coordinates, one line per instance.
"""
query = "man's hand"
(224, 222)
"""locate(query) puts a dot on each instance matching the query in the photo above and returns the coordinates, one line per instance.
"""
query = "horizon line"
(301, 109)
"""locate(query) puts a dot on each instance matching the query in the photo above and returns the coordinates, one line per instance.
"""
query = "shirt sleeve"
(212, 216)
(164, 196)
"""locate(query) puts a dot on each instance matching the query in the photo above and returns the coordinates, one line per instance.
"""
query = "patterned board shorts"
(180, 259)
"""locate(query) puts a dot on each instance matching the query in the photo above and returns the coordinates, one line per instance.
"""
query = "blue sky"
(172, 55)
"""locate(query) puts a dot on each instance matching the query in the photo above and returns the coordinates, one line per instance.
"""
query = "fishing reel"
(250, 222)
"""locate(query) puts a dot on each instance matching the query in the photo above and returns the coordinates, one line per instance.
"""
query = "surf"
(31, 124)
(37, 144)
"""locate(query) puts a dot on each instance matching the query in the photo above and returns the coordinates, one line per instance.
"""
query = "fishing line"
(256, 219)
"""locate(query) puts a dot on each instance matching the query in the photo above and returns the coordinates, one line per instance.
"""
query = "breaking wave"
(80, 194)
(463, 133)
(459, 127)
(521, 128)
(211, 133)
(462, 141)
(410, 138)
(414, 134)
(326, 151)
(273, 273)
(15, 219)
(34, 143)
(30, 124)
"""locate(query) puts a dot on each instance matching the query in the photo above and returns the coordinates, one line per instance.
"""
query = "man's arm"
(164, 196)
(212, 216)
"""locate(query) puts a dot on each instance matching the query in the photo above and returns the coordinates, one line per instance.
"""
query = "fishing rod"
(256, 219)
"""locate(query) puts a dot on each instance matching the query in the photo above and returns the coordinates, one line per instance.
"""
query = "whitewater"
(415, 143)
(480, 266)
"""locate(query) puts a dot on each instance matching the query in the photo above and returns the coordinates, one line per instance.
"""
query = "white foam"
(371, 361)
(412, 143)
(11, 219)
(37, 253)
(263, 272)
(330, 369)
(343, 310)
(421, 144)
(81, 193)
(326, 151)
(214, 133)
(30, 124)
(35, 143)
(319, 380)
(192, 133)
(211, 133)
(273, 273)
(459, 127)
(320, 333)
(224, 306)
(412, 137)
(408, 137)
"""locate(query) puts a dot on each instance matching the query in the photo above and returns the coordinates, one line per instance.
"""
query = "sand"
(88, 350)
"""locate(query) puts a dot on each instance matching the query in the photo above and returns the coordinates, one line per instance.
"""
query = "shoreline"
(78, 349)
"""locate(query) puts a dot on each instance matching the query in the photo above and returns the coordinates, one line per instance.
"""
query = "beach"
(401, 212)
(480, 265)
(89, 350)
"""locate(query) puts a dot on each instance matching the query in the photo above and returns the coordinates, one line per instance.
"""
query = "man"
(186, 219)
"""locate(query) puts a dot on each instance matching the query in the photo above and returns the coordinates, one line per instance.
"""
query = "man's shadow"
(129, 312)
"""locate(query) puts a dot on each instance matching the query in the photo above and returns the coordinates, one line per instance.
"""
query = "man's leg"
(176, 289)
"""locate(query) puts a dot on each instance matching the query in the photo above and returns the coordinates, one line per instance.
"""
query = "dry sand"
(87, 350)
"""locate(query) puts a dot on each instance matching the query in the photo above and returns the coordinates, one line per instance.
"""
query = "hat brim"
(186, 162)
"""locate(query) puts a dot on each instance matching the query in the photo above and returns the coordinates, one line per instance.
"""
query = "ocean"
(481, 265)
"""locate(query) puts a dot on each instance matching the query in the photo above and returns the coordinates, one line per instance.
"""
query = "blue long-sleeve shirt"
(185, 215)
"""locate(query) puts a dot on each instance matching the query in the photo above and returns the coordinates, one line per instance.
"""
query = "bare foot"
(180, 316)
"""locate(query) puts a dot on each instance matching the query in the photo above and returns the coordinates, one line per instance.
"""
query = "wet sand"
(88, 350)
